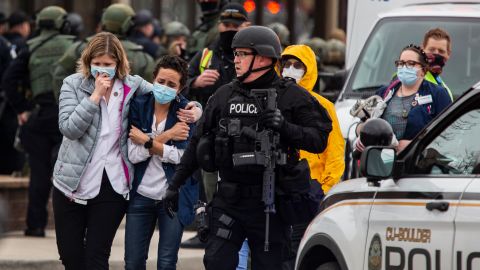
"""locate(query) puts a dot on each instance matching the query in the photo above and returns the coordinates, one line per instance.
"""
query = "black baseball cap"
(17, 17)
(233, 13)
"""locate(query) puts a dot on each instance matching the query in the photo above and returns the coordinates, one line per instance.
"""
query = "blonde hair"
(104, 43)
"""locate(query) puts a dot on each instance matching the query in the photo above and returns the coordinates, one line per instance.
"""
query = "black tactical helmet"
(76, 23)
(376, 131)
(261, 39)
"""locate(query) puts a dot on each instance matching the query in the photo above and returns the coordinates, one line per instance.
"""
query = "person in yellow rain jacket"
(298, 62)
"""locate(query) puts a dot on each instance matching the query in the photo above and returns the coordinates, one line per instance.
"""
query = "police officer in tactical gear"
(206, 33)
(175, 39)
(117, 19)
(237, 210)
(38, 116)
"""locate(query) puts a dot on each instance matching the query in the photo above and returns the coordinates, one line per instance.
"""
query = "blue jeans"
(142, 214)
(243, 256)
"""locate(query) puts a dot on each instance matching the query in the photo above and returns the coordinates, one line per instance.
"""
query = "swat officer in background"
(206, 32)
(237, 210)
(116, 19)
(38, 116)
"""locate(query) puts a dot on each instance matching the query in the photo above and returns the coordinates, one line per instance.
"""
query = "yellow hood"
(307, 56)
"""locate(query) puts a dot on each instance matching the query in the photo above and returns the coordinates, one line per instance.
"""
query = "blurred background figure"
(335, 57)
(3, 24)
(175, 40)
(282, 32)
(18, 30)
(206, 32)
(338, 34)
(76, 24)
(157, 32)
(143, 31)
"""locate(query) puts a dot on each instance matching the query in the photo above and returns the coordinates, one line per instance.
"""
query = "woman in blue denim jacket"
(410, 102)
(159, 133)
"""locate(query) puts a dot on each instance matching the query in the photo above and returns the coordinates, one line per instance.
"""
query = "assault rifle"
(265, 154)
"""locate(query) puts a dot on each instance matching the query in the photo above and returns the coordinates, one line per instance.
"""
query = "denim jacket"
(141, 116)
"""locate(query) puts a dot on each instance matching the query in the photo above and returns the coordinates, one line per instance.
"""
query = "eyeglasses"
(232, 13)
(242, 54)
(296, 64)
(408, 63)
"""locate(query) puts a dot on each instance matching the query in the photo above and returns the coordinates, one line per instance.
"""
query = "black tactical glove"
(170, 202)
(272, 119)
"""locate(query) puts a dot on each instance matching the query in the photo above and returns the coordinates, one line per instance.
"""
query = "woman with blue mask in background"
(410, 102)
(157, 140)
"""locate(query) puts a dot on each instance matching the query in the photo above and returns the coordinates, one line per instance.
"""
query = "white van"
(396, 29)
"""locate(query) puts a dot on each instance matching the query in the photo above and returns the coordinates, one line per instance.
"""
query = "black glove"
(170, 202)
(272, 119)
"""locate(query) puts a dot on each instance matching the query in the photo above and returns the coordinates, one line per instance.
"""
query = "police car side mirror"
(377, 163)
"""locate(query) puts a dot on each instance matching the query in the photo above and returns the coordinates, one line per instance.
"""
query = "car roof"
(468, 10)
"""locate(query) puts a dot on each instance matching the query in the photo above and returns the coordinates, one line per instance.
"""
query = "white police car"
(418, 210)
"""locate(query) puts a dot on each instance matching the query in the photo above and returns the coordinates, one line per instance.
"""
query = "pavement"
(31, 253)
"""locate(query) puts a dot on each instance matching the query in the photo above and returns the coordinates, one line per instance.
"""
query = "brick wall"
(14, 191)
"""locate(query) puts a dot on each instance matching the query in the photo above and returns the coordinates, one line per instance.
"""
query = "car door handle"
(440, 206)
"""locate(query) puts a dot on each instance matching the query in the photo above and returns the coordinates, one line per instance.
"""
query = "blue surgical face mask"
(408, 76)
(163, 94)
(94, 70)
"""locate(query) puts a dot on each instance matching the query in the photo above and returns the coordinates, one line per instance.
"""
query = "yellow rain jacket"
(327, 168)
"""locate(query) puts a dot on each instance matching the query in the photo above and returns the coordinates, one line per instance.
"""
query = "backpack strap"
(205, 60)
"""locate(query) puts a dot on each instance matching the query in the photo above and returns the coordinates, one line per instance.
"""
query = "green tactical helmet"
(51, 17)
(176, 29)
(118, 19)
(282, 32)
(319, 46)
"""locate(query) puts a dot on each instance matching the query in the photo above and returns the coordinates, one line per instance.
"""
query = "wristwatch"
(148, 144)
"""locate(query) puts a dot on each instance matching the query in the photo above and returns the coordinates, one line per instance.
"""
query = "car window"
(456, 151)
(375, 65)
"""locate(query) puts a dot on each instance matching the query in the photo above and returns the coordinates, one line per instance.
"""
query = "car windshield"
(375, 65)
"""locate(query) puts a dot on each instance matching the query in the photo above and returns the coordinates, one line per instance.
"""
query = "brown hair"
(104, 43)
(437, 34)
(422, 56)
(175, 63)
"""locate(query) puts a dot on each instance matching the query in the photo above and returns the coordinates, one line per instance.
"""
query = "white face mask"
(293, 73)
